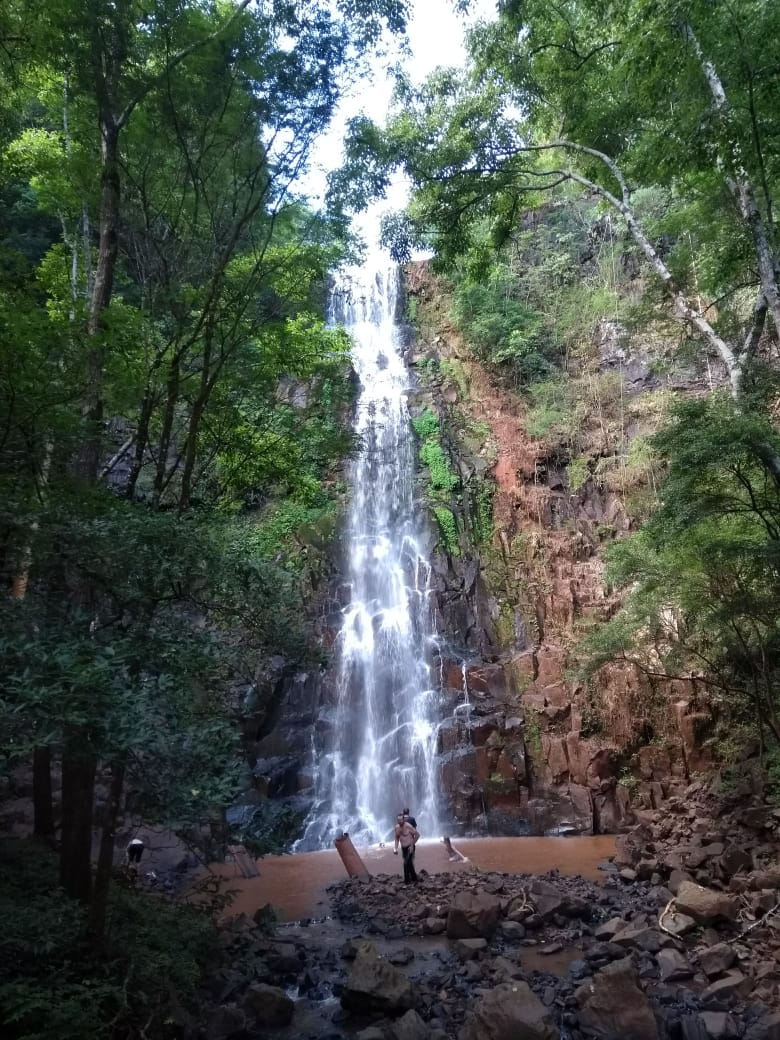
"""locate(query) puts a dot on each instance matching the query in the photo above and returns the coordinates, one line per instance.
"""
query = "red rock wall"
(540, 746)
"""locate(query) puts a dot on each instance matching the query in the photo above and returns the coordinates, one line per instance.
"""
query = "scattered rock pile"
(488, 956)
(681, 941)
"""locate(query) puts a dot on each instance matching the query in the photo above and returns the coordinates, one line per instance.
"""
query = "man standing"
(407, 836)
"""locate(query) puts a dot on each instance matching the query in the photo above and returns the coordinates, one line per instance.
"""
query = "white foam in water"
(377, 754)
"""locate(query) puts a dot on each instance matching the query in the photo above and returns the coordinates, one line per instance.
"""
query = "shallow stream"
(296, 886)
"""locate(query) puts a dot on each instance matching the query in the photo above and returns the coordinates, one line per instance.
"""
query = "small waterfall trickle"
(376, 745)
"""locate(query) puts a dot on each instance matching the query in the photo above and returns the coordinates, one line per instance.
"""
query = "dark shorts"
(134, 853)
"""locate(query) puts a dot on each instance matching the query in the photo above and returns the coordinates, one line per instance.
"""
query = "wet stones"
(509, 1010)
(473, 915)
(376, 986)
(269, 1006)
(705, 905)
(587, 961)
(614, 1007)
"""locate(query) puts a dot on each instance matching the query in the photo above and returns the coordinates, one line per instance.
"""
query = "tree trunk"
(87, 463)
(105, 862)
(198, 409)
(172, 399)
(43, 808)
(78, 790)
(740, 183)
(141, 440)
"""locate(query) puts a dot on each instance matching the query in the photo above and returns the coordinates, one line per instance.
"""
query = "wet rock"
(269, 1006)
(676, 878)
(609, 929)
(504, 969)
(512, 931)
(409, 1027)
(640, 935)
(375, 986)
(734, 860)
(473, 915)
(733, 984)
(509, 1010)
(629, 847)
(692, 1028)
(719, 1025)
(716, 959)
(547, 900)
(613, 1007)
(672, 965)
(767, 1027)
(678, 924)
(372, 1033)
(705, 905)
(467, 949)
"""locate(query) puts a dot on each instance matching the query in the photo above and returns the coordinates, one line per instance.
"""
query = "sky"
(435, 37)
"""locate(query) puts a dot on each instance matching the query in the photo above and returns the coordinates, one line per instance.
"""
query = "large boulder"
(629, 847)
(270, 1006)
(613, 1007)
(705, 905)
(510, 1011)
(473, 915)
(546, 898)
(375, 986)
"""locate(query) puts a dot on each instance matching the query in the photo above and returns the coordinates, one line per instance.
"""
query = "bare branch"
(623, 206)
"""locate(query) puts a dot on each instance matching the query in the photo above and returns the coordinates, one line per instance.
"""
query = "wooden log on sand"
(350, 857)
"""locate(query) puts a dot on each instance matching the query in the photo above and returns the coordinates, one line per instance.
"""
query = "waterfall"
(375, 745)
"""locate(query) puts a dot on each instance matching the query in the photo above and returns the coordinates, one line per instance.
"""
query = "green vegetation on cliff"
(599, 188)
(441, 482)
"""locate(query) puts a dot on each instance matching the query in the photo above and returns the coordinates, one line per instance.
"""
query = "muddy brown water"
(295, 886)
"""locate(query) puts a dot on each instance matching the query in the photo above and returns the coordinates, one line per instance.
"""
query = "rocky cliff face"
(528, 745)
(519, 522)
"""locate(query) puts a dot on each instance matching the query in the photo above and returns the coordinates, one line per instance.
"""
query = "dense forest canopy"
(173, 409)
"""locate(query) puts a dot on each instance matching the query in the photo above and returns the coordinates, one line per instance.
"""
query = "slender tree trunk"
(171, 400)
(43, 806)
(190, 449)
(87, 463)
(141, 440)
(105, 861)
(78, 791)
(732, 163)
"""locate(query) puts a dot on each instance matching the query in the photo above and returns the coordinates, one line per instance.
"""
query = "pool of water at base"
(296, 886)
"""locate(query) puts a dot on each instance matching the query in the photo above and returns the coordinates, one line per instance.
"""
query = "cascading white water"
(375, 748)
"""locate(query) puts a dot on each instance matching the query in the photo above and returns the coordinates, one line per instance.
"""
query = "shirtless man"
(407, 836)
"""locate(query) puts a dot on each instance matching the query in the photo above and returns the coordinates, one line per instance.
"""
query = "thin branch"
(623, 205)
(177, 59)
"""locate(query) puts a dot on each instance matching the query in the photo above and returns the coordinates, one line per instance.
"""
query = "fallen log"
(350, 857)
